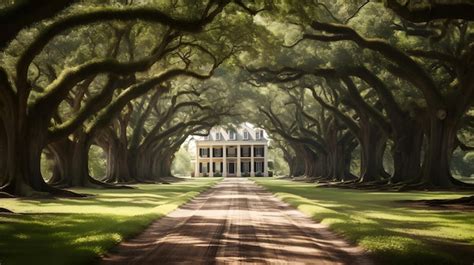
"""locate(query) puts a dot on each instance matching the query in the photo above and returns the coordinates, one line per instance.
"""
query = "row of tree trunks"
(28, 127)
(294, 161)
(442, 115)
(71, 162)
(71, 167)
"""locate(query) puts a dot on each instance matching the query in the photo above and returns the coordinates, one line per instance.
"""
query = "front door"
(231, 168)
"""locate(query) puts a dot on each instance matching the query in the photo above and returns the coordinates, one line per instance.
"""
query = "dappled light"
(60, 231)
(201, 132)
(393, 232)
(236, 221)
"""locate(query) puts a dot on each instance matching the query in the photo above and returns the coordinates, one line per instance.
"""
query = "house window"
(218, 136)
(245, 167)
(245, 152)
(232, 151)
(203, 152)
(258, 152)
(259, 134)
(232, 135)
(246, 135)
(217, 152)
(203, 167)
(259, 168)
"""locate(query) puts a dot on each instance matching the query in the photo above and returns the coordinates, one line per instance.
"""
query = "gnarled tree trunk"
(440, 146)
(373, 142)
(407, 153)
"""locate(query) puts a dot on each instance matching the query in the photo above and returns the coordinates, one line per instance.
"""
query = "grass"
(391, 232)
(77, 231)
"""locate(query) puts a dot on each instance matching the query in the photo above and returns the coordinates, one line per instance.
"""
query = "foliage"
(97, 162)
(280, 167)
(182, 162)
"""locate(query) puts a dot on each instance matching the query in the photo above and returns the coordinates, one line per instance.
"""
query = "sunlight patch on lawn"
(392, 232)
(77, 231)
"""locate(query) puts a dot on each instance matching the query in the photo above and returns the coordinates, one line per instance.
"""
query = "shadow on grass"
(77, 231)
(64, 238)
(392, 233)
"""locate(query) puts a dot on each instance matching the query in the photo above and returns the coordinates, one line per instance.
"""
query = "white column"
(211, 172)
(196, 165)
(265, 160)
(239, 174)
(224, 160)
(252, 170)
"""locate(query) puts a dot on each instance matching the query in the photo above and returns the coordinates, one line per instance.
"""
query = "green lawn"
(76, 231)
(393, 233)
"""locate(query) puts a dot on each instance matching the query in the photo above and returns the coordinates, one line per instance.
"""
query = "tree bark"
(408, 140)
(72, 163)
(25, 146)
(298, 162)
(117, 164)
(373, 142)
(340, 157)
(441, 143)
(62, 158)
(3, 151)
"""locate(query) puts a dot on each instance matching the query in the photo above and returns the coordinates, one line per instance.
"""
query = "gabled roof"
(239, 130)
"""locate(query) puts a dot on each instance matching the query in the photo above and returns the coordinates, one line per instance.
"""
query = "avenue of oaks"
(324, 78)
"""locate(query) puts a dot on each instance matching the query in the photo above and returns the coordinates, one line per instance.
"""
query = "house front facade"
(232, 153)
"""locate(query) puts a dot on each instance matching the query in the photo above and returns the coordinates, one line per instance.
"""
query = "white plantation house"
(232, 153)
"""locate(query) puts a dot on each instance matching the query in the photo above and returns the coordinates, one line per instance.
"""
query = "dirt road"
(236, 222)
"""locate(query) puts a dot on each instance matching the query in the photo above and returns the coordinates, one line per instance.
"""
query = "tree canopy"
(335, 83)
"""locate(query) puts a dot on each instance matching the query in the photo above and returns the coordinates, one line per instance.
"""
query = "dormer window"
(246, 135)
(232, 135)
(218, 136)
(259, 134)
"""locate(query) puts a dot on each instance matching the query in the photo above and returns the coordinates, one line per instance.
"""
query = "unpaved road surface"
(236, 222)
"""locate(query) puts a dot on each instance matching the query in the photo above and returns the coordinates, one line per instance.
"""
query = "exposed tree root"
(90, 183)
(3, 210)
(5, 195)
(99, 184)
(62, 192)
(459, 204)
(468, 200)
(127, 181)
(46, 191)
(462, 200)
(385, 185)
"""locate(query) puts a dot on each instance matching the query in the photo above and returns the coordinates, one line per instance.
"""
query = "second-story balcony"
(217, 152)
(245, 151)
(231, 151)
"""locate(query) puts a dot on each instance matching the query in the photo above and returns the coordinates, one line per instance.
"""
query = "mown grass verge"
(391, 232)
(77, 231)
